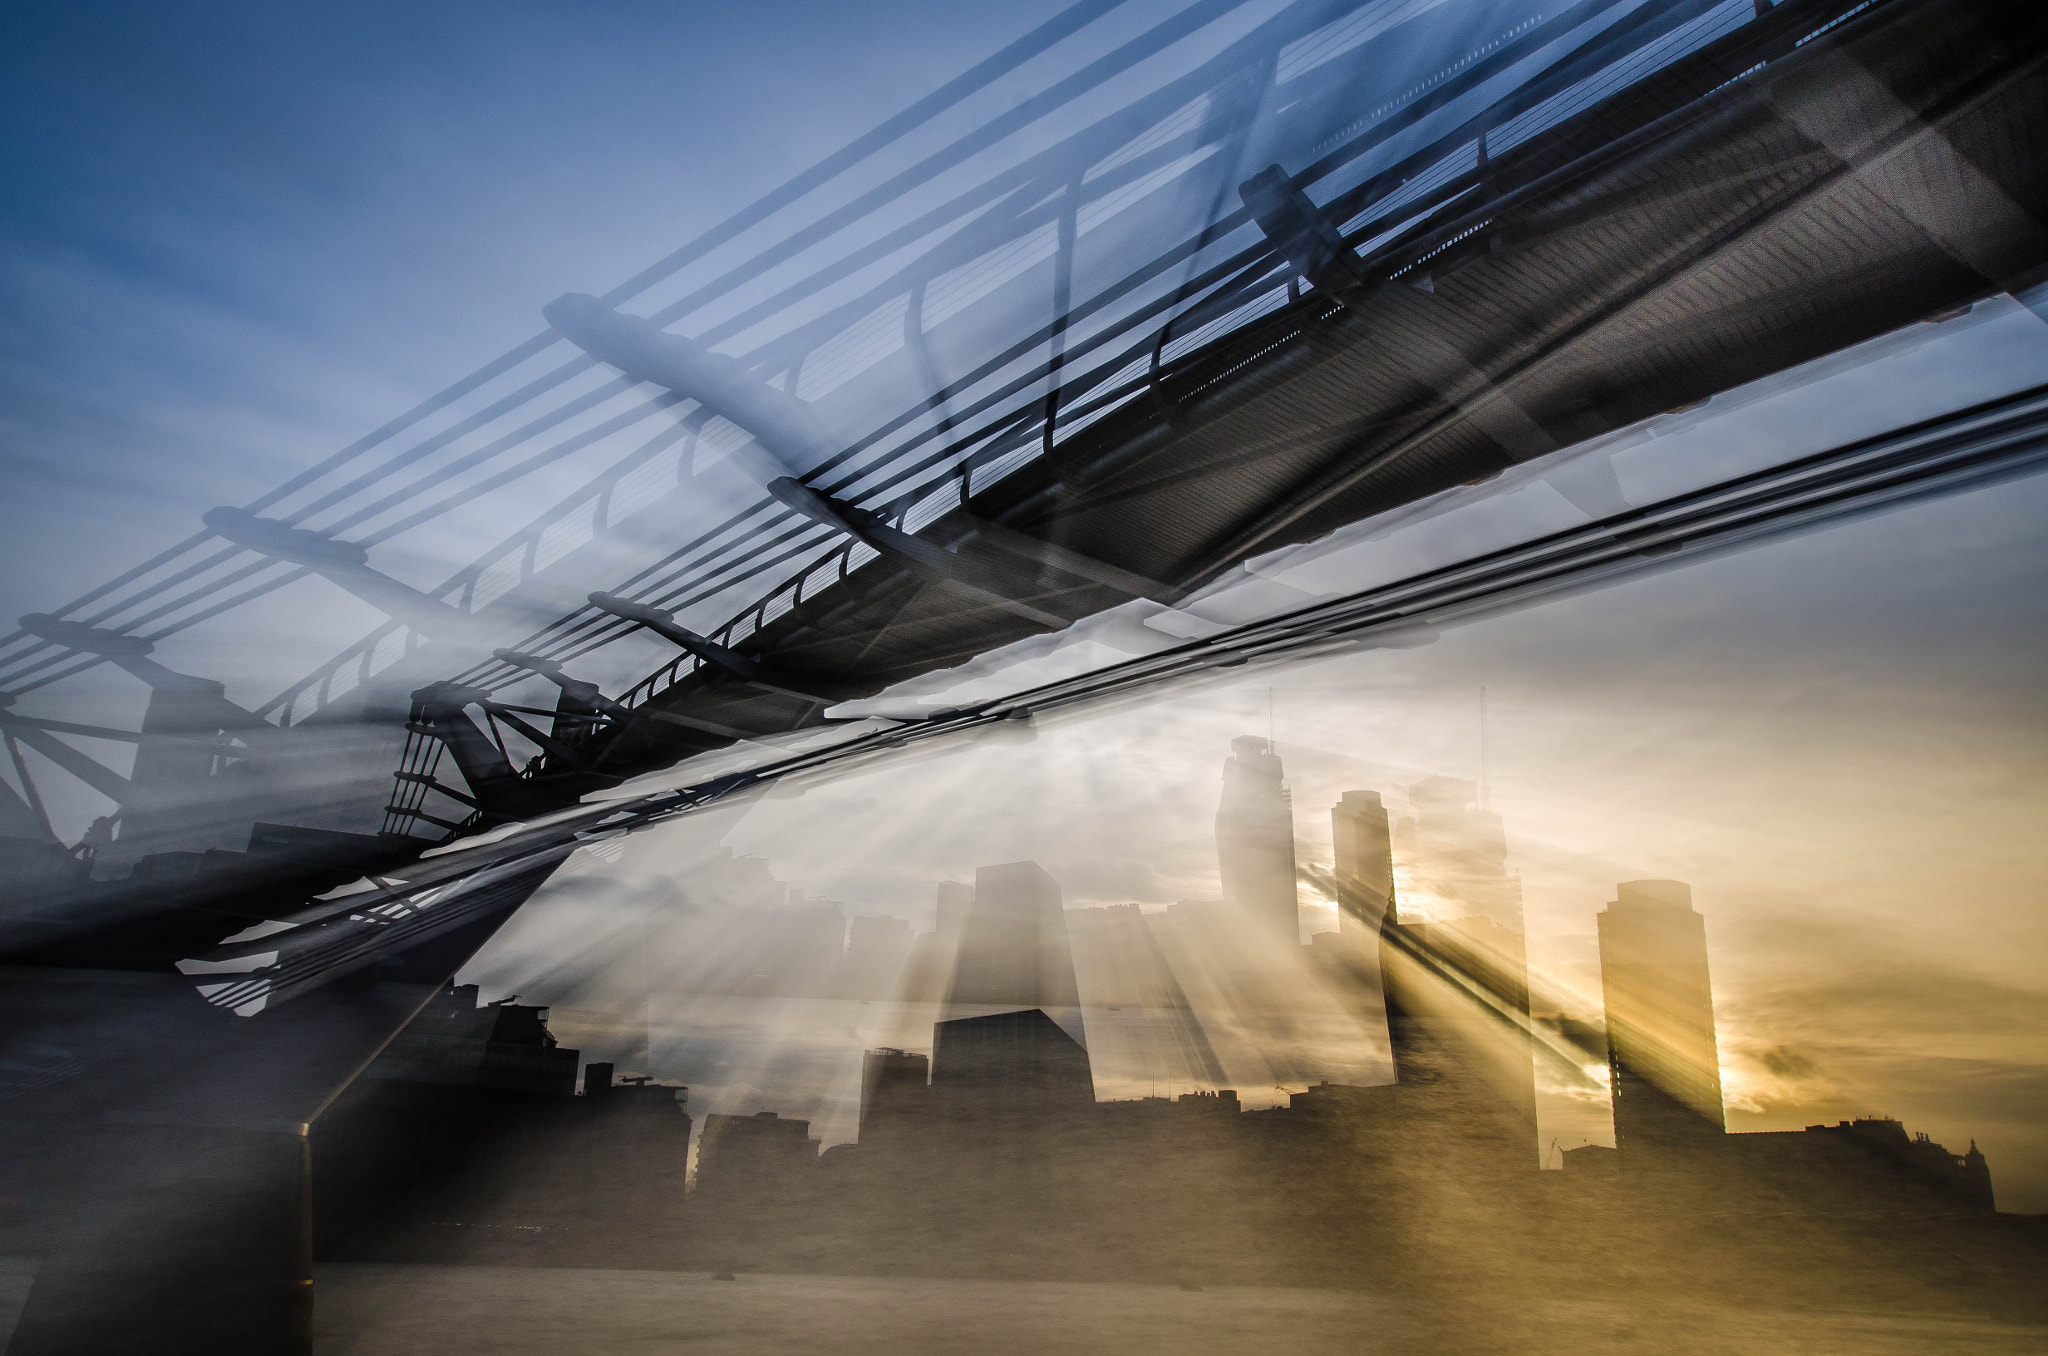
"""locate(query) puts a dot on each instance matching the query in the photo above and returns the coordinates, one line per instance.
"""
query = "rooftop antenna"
(1269, 720)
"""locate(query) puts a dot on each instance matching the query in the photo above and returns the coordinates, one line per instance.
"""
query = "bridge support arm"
(967, 574)
(578, 697)
(782, 424)
(347, 566)
(183, 704)
(725, 660)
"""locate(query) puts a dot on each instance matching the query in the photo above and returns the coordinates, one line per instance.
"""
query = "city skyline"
(1579, 1104)
(1003, 1109)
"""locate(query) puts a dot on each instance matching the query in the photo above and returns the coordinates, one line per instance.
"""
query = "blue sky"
(238, 235)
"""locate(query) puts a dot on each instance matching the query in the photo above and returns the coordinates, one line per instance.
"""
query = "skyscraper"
(1020, 1053)
(1005, 1066)
(1255, 837)
(955, 898)
(1013, 948)
(1456, 993)
(894, 1095)
(1365, 863)
(1660, 1022)
(1139, 1011)
(930, 971)
(877, 949)
(1457, 851)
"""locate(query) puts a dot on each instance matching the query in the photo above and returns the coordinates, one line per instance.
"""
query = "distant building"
(1853, 1163)
(453, 1042)
(741, 932)
(1124, 970)
(953, 900)
(877, 950)
(1456, 849)
(1255, 838)
(1364, 863)
(756, 1157)
(895, 1095)
(465, 1141)
(1457, 1005)
(930, 971)
(1223, 1101)
(786, 950)
(1008, 1065)
(1661, 1052)
(1013, 950)
(1592, 1161)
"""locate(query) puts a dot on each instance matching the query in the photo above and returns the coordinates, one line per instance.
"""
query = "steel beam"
(725, 660)
(784, 426)
(347, 566)
(987, 584)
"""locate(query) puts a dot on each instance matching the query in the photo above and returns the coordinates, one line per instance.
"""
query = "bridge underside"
(1686, 236)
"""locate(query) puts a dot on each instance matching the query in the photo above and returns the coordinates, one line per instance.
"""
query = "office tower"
(1008, 1065)
(1365, 863)
(954, 900)
(930, 972)
(725, 881)
(1455, 850)
(1660, 1022)
(1457, 1003)
(1013, 947)
(1255, 838)
(895, 1095)
(777, 950)
(1136, 1002)
(877, 950)
(759, 1157)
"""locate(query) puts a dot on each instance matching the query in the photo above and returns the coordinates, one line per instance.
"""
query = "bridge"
(939, 400)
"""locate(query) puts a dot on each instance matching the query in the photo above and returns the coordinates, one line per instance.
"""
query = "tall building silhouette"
(894, 1094)
(1660, 1021)
(1137, 1003)
(930, 972)
(763, 1155)
(1013, 945)
(954, 899)
(1009, 1065)
(1255, 837)
(1456, 993)
(877, 950)
(1364, 863)
(1457, 850)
